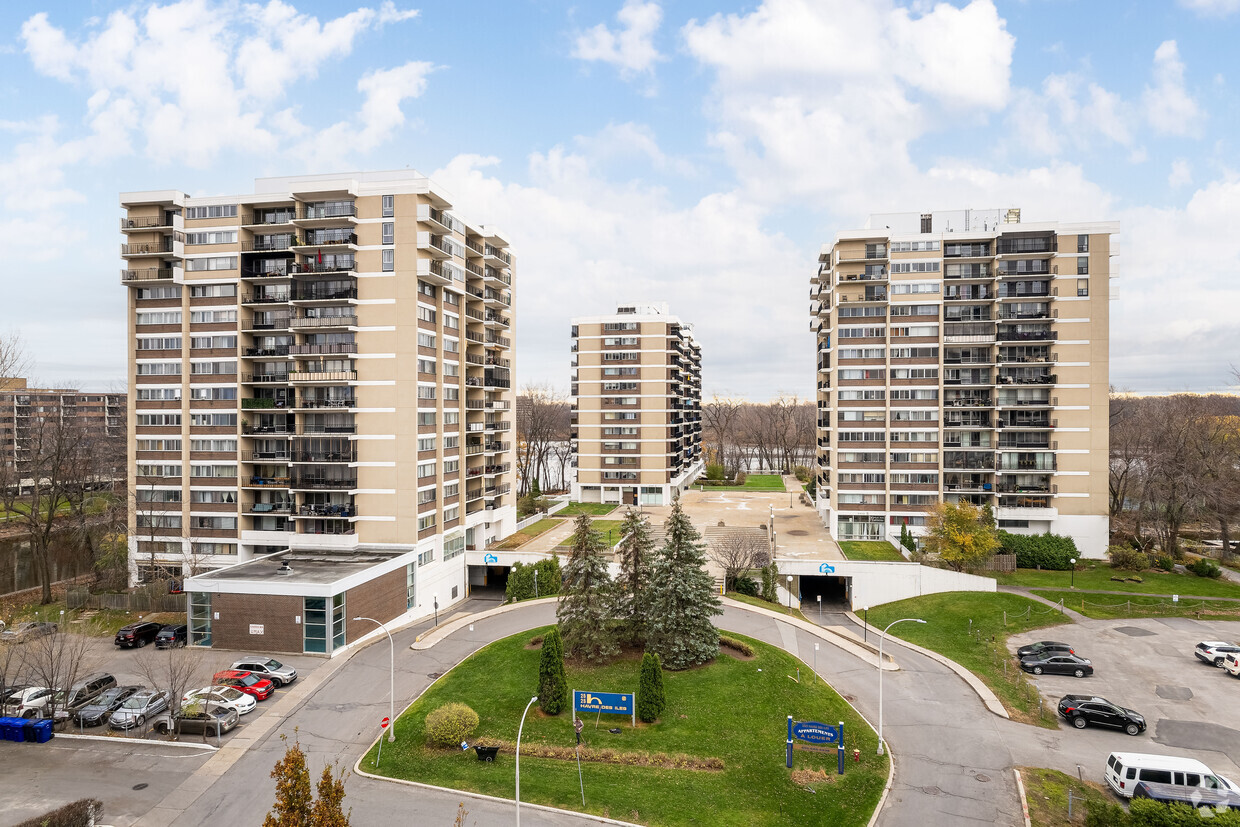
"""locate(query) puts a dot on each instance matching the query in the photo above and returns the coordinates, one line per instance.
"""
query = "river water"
(69, 558)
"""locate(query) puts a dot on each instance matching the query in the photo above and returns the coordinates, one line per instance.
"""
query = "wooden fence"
(125, 602)
(1002, 562)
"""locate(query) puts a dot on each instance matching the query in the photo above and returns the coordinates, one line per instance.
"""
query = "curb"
(854, 648)
(1024, 802)
(110, 740)
(482, 797)
(428, 639)
(983, 691)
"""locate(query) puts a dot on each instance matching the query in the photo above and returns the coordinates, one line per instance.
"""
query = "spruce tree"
(635, 551)
(586, 597)
(552, 679)
(650, 699)
(769, 576)
(682, 597)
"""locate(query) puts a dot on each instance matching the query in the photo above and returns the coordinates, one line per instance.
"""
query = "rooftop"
(318, 568)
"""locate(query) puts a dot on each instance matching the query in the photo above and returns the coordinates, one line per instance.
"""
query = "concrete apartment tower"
(963, 356)
(637, 406)
(321, 370)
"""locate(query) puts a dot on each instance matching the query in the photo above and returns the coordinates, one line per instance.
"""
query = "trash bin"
(28, 733)
(11, 729)
(43, 730)
(486, 753)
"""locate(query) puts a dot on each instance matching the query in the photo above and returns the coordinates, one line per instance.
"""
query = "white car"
(1232, 665)
(1215, 652)
(31, 702)
(221, 697)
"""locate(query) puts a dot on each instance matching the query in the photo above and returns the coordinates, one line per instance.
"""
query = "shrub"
(1205, 568)
(521, 580)
(769, 575)
(1127, 559)
(450, 724)
(650, 699)
(1165, 562)
(746, 585)
(801, 472)
(75, 814)
(714, 471)
(552, 680)
(737, 644)
(1047, 551)
(741, 476)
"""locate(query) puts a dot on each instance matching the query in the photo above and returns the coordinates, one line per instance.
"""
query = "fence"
(533, 518)
(1002, 562)
(125, 602)
(1128, 608)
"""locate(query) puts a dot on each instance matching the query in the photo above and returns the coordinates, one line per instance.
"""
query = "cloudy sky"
(689, 152)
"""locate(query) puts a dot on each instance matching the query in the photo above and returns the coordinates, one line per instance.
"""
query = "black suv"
(1082, 710)
(137, 635)
(171, 636)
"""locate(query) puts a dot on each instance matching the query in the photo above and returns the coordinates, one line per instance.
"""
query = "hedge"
(79, 813)
(1144, 812)
(521, 580)
(1046, 551)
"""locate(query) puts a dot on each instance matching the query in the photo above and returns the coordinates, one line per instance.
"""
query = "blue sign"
(826, 568)
(815, 732)
(612, 703)
(490, 558)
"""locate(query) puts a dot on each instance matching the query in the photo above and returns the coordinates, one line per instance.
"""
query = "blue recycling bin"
(42, 730)
(28, 734)
(11, 729)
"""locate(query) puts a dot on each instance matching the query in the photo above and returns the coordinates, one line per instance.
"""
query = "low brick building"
(303, 602)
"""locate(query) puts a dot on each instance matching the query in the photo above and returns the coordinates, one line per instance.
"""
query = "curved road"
(951, 758)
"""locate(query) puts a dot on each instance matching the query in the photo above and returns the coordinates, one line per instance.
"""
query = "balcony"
(265, 430)
(268, 322)
(499, 426)
(261, 403)
(340, 511)
(495, 254)
(265, 481)
(313, 403)
(279, 216)
(495, 320)
(436, 245)
(870, 253)
(1024, 267)
(264, 298)
(265, 270)
(148, 222)
(1034, 245)
(1041, 379)
(435, 272)
(491, 274)
(326, 350)
(266, 456)
(323, 264)
(259, 378)
(312, 242)
(311, 293)
(309, 214)
(259, 352)
(145, 274)
(1028, 336)
(867, 296)
(304, 322)
(493, 341)
(318, 483)
(147, 248)
(322, 376)
(285, 507)
(326, 456)
(494, 298)
(274, 244)
(966, 250)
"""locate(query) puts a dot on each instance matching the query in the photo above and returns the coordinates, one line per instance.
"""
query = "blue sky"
(685, 152)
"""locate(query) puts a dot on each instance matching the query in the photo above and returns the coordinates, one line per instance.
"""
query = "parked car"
(222, 697)
(31, 702)
(171, 636)
(99, 710)
(269, 668)
(200, 722)
(139, 708)
(1058, 664)
(1232, 664)
(137, 635)
(1215, 652)
(1044, 647)
(1083, 710)
(66, 704)
(250, 684)
(29, 630)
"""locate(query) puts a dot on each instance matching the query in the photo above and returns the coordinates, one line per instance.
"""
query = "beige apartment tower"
(963, 356)
(637, 406)
(323, 367)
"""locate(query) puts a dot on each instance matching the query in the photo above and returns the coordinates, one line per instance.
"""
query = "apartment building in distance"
(24, 410)
(636, 406)
(963, 356)
(321, 417)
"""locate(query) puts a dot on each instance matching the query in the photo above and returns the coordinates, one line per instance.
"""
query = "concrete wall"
(875, 583)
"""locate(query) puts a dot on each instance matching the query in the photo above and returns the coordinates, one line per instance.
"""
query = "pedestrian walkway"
(1023, 592)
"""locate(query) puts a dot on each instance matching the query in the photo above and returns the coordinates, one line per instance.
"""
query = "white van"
(1125, 769)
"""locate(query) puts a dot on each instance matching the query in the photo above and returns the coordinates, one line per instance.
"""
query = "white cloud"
(1212, 8)
(630, 47)
(631, 140)
(1181, 173)
(1169, 108)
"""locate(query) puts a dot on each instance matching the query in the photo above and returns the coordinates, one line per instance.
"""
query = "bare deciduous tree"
(542, 421)
(737, 552)
(57, 661)
(177, 670)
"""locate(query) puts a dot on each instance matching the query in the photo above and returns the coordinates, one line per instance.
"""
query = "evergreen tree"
(988, 515)
(769, 576)
(906, 538)
(682, 597)
(636, 547)
(650, 699)
(552, 679)
(535, 491)
(586, 597)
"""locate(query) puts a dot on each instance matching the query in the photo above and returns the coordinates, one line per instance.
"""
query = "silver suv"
(264, 667)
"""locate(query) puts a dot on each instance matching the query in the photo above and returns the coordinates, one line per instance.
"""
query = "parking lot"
(1148, 665)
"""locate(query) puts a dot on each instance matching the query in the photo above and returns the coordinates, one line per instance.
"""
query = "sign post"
(613, 703)
(814, 732)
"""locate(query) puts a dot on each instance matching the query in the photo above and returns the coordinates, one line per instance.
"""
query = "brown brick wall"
(382, 598)
(277, 613)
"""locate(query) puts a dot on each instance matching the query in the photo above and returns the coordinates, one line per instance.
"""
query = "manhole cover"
(1135, 631)
(798, 532)
(931, 791)
(141, 786)
(982, 778)
(1174, 693)
(435, 675)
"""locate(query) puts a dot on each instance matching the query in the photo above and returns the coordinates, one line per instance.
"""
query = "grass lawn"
(102, 623)
(528, 533)
(780, 608)
(731, 710)
(870, 550)
(610, 529)
(753, 482)
(593, 509)
(1104, 606)
(1047, 793)
(948, 631)
(1098, 576)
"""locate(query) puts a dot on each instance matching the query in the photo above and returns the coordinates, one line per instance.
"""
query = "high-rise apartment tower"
(637, 406)
(963, 356)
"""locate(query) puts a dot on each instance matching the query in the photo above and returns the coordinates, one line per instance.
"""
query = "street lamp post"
(880, 675)
(392, 682)
(519, 728)
(1072, 583)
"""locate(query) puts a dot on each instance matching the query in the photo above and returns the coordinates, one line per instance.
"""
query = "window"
(427, 496)
(426, 366)
(862, 332)
(915, 436)
(451, 394)
(212, 237)
(426, 314)
(389, 260)
(862, 436)
(620, 371)
(914, 246)
(861, 499)
(411, 584)
(213, 420)
(915, 267)
(451, 322)
(160, 317)
(213, 342)
(451, 369)
(914, 373)
(1082, 265)
(619, 386)
(159, 369)
(451, 489)
(451, 345)
(451, 298)
(862, 416)
(867, 394)
(212, 316)
(426, 417)
(914, 479)
(213, 471)
(388, 232)
(619, 356)
(200, 291)
(926, 221)
(426, 469)
(214, 394)
(426, 443)
(211, 495)
(426, 391)
(165, 444)
(227, 445)
(427, 289)
(453, 546)
(451, 466)
(620, 341)
(1082, 287)
(925, 352)
(426, 522)
(159, 420)
(216, 263)
(862, 352)
(905, 415)
(449, 514)
(427, 557)
(426, 339)
(213, 523)
(914, 330)
(146, 495)
(200, 619)
(170, 292)
(213, 211)
(1082, 244)
(451, 417)
(611, 415)
(389, 206)
(861, 456)
(869, 478)
(158, 470)
(914, 287)
(212, 368)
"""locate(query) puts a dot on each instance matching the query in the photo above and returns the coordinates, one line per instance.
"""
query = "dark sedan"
(98, 710)
(1083, 710)
(1058, 663)
(1044, 647)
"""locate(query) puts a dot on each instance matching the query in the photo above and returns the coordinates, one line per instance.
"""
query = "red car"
(247, 682)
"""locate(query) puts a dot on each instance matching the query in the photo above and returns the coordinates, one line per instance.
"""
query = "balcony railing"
(1044, 379)
(327, 350)
(325, 483)
(313, 402)
(325, 239)
(147, 248)
(264, 377)
(146, 274)
(269, 508)
(279, 350)
(1028, 336)
(267, 323)
(265, 456)
(261, 403)
(148, 222)
(308, 293)
(266, 245)
(281, 482)
(299, 322)
(311, 212)
(322, 376)
(325, 456)
(498, 275)
(337, 510)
